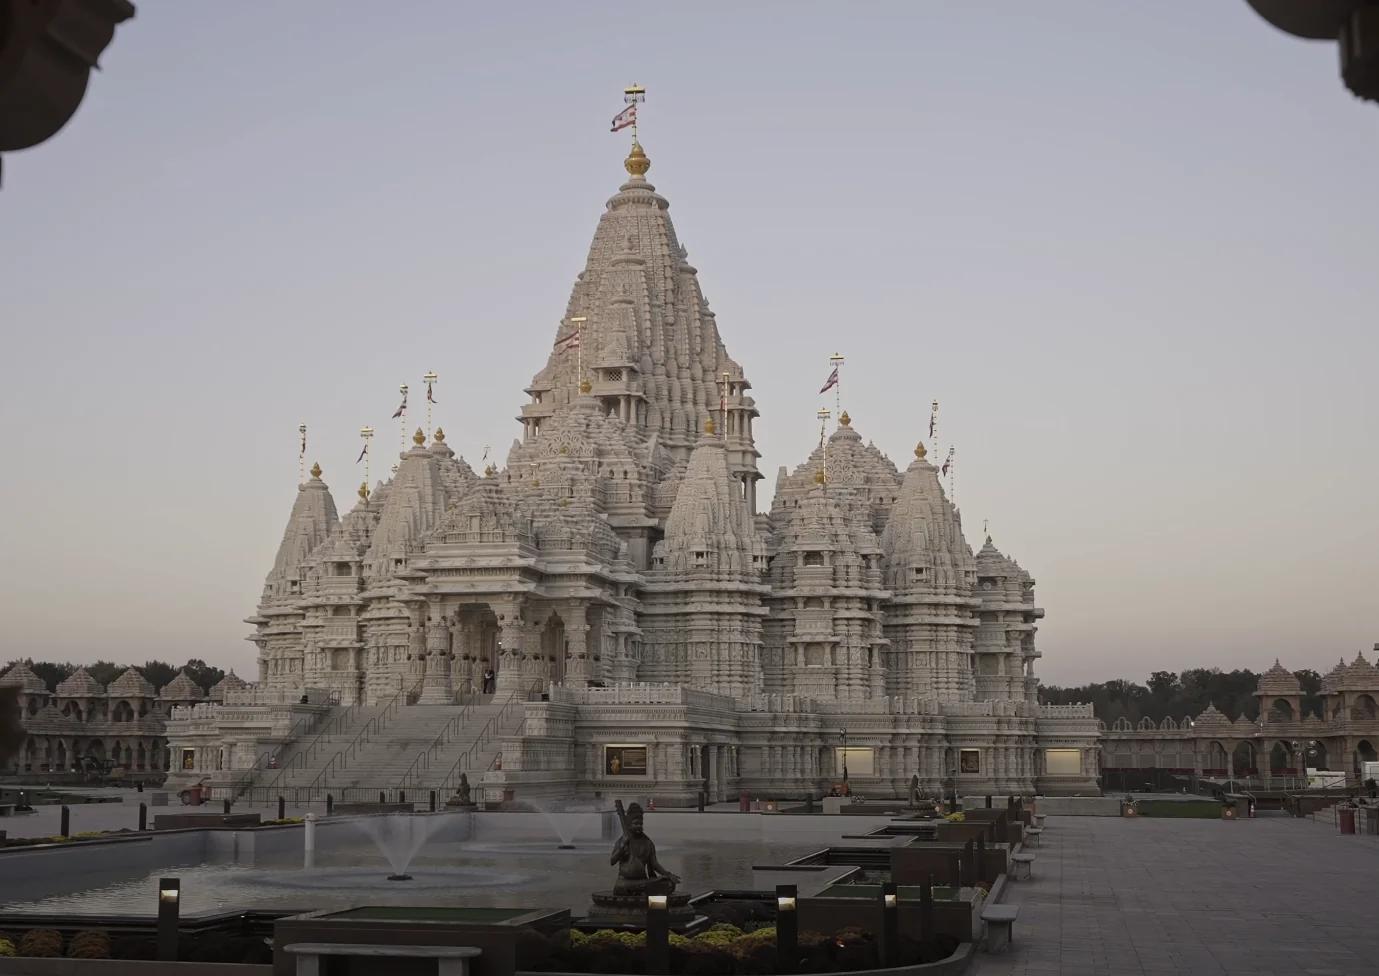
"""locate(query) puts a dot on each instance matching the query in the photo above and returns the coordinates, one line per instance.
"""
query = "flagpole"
(402, 419)
(301, 456)
(367, 434)
(953, 476)
(633, 94)
(837, 360)
(933, 427)
(431, 379)
(823, 416)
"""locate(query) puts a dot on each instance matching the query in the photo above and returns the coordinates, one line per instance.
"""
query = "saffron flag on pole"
(626, 117)
(429, 397)
(401, 409)
(303, 450)
(831, 382)
(362, 453)
(571, 341)
(933, 417)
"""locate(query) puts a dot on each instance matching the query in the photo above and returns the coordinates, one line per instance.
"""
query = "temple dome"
(1278, 680)
(132, 684)
(231, 682)
(923, 541)
(21, 676)
(80, 685)
(182, 688)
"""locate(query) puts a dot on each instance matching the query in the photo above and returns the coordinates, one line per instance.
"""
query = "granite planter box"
(848, 906)
(30, 966)
(494, 931)
(923, 861)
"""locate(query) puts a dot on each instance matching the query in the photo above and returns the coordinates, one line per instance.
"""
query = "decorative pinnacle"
(637, 162)
(710, 427)
(364, 491)
(820, 477)
(844, 419)
(419, 439)
(585, 386)
(440, 436)
(920, 451)
(491, 471)
(316, 470)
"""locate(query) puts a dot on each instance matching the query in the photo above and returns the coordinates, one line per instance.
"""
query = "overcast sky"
(1130, 247)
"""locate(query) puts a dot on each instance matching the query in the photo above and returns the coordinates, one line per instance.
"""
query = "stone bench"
(1000, 926)
(450, 960)
(1032, 835)
(1024, 866)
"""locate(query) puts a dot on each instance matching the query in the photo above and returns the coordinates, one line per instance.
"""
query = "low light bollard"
(787, 928)
(282, 808)
(657, 934)
(926, 909)
(227, 803)
(66, 821)
(169, 898)
(330, 804)
(890, 925)
(143, 816)
(433, 801)
(309, 842)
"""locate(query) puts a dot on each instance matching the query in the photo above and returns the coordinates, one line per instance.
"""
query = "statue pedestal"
(455, 803)
(613, 909)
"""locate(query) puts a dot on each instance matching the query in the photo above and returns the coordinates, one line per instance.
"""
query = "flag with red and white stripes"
(832, 381)
(626, 117)
(571, 341)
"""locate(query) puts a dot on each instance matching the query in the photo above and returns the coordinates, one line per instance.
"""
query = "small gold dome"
(637, 162)
(710, 427)
(820, 477)
(364, 491)
(316, 470)
(419, 439)
(491, 471)
(440, 436)
(585, 386)
(920, 452)
(844, 419)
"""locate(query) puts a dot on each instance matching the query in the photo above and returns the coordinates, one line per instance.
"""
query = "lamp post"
(169, 896)
(657, 934)
(787, 929)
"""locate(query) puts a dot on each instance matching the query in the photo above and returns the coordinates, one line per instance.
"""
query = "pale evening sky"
(1129, 247)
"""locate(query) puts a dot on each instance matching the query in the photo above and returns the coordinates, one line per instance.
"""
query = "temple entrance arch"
(1243, 761)
(1364, 752)
(1217, 758)
(1317, 757)
(1365, 708)
(475, 642)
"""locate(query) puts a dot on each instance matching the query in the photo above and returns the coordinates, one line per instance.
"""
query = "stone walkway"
(1187, 897)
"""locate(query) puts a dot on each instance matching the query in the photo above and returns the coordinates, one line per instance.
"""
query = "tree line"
(1168, 693)
(158, 673)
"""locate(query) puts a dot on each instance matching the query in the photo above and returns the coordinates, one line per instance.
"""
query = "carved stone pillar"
(578, 668)
(436, 686)
(513, 652)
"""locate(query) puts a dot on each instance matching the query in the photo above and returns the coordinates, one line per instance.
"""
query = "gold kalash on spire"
(637, 162)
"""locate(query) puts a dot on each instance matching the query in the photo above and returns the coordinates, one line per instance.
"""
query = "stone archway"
(554, 646)
(1317, 756)
(1365, 708)
(1243, 760)
(1364, 752)
(475, 641)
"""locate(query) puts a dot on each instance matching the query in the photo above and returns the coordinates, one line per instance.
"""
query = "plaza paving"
(1158, 896)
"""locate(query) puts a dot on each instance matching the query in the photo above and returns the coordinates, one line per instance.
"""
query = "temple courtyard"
(1115, 897)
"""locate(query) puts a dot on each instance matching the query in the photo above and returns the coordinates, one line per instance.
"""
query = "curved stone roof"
(21, 676)
(923, 541)
(1278, 680)
(80, 685)
(709, 532)
(1212, 717)
(181, 688)
(312, 520)
(231, 682)
(132, 684)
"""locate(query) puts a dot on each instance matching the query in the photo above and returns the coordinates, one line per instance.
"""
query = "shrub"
(89, 945)
(705, 959)
(958, 817)
(46, 943)
(6, 947)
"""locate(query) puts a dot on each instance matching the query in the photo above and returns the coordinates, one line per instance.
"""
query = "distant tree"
(158, 673)
(1311, 683)
(202, 673)
(105, 671)
(11, 732)
(1163, 685)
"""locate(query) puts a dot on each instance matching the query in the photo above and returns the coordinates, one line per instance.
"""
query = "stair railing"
(491, 730)
(299, 728)
(422, 763)
(371, 728)
(303, 757)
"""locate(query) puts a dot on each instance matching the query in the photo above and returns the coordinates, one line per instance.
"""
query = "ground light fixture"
(657, 934)
(890, 925)
(787, 928)
(169, 901)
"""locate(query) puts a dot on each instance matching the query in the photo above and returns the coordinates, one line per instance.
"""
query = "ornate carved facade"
(617, 567)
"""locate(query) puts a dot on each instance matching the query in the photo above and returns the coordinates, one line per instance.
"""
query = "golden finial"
(820, 477)
(316, 470)
(491, 471)
(419, 439)
(440, 436)
(364, 491)
(710, 427)
(637, 162)
(585, 386)
(920, 452)
(844, 419)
